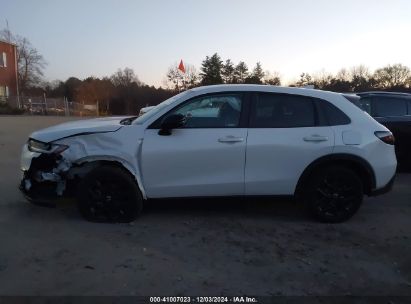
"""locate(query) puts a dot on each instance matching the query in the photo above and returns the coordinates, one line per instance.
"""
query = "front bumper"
(43, 176)
(387, 188)
(38, 194)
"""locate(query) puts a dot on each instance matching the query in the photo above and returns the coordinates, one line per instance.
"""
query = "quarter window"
(334, 116)
(390, 106)
(212, 111)
(282, 111)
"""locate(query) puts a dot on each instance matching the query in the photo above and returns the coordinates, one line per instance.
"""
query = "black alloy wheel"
(334, 194)
(109, 194)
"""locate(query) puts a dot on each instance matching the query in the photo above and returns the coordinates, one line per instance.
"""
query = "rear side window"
(282, 111)
(389, 106)
(332, 115)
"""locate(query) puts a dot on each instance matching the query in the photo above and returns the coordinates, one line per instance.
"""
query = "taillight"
(385, 136)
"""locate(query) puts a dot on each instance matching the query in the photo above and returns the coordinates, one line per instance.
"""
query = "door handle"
(230, 139)
(315, 138)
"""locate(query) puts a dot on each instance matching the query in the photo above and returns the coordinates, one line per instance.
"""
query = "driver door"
(206, 157)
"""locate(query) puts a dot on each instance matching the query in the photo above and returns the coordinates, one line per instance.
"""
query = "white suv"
(225, 140)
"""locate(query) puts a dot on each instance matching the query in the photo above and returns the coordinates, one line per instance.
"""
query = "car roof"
(262, 88)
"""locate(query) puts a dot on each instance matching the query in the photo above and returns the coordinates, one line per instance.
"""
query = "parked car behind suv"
(393, 110)
(225, 140)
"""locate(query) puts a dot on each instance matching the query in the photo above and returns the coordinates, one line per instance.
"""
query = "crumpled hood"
(78, 127)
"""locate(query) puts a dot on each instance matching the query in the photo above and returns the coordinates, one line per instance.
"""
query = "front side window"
(390, 106)
(143, 118)
(211, 111)
(282, 111)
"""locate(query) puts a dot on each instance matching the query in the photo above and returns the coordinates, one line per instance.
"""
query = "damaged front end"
(45, 171)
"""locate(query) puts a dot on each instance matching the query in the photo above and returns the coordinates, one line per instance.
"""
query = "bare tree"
(179, 81)
(273, 78)
(360, 71)
(30, 62)
(322, 79)
(361, 79)
(126, 83)
(343, 75)
(305, 79)
(396, 75)
(125, 78)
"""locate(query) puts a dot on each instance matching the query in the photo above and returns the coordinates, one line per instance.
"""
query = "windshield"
(143, 118)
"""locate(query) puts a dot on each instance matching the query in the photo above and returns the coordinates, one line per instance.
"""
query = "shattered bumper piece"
(46, 177)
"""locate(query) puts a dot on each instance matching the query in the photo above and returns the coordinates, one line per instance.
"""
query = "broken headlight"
(42, 147)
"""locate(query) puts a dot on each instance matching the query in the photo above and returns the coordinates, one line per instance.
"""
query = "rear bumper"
(385, 189)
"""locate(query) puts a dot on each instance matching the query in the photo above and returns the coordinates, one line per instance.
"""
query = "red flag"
(181, 66)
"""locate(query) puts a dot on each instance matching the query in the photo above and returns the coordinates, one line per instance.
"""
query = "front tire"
(109, 194)
(334, 194)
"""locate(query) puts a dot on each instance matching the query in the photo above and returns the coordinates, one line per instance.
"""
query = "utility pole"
(45, 103)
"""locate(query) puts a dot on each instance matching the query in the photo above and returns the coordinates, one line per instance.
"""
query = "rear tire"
(333, 194)
(109, 194)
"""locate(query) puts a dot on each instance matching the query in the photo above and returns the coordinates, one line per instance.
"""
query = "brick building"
(8, 71)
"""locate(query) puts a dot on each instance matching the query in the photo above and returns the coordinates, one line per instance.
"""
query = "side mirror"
(172, 122)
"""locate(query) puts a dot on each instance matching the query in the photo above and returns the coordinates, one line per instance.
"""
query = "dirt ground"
(198, 247)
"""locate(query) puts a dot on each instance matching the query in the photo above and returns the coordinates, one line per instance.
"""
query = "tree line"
(396, 77)
(214, 70)
(123, 92)
(120, 93)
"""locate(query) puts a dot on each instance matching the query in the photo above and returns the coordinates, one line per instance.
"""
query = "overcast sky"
(96, 37)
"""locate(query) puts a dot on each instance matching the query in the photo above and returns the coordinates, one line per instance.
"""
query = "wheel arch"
(359, 165)
(85, 165)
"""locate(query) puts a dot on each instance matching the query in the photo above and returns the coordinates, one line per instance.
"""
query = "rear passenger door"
(284, 137)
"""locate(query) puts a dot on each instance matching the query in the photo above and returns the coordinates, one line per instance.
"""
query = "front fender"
(107, 148)
(112, 159)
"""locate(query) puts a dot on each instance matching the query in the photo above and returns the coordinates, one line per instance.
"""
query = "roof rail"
(383, 93)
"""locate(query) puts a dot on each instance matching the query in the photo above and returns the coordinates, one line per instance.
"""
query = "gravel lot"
(198, 247)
